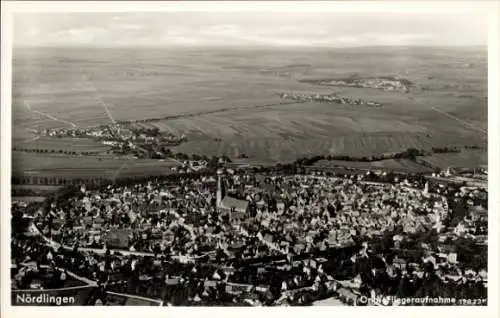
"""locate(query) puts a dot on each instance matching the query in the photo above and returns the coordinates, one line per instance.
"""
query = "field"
(39, 189)
(64, 144)
(28, 164)
(28, 199)
(447, 106)
(397, 165)
(464, 159)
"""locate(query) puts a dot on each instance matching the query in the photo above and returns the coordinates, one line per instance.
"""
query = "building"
(236, 209)
(219, 189)
(478, 213)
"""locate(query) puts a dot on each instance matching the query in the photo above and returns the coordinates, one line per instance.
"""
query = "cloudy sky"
(238, 28)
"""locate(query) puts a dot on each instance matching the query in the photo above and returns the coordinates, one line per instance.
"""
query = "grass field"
(28, 199)
(464, 159)
(447, 106)
(39, 189)
(388, 164)
(29, 164)
(64, 144)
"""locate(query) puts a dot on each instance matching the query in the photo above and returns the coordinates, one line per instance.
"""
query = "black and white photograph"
(239, 158)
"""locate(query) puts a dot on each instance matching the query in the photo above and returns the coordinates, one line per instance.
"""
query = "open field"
(64, 144)
(464, 159)
(40, 190)
(29, 164)
(285, 132)
(397, 165)
(28, 199)
(447, 106)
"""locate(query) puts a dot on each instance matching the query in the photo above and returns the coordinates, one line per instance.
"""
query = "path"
(28, 106)
(179, 162)
(119, 170)
(88, 84)
(30, 140)
(107, 111)
(209, 112)
(71, 274)
(90, 283)
(102, 251)
(463, 122)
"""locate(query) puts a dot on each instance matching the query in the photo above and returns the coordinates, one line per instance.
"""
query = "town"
(388, 83)
(124, 139)
(263, 238)
(271, 157)
(329, 98)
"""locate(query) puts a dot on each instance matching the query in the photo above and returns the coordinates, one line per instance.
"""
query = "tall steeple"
(219, 189)
(426, 188)
(448, 172)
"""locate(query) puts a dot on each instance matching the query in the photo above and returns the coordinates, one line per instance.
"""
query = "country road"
(28, 106)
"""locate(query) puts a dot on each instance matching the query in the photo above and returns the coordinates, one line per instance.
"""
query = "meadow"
(80, 167)
(464, 159)
(31, 192)
(395, 165)
(28, 199)
(78, 145)
(447, 106)
(39, 189)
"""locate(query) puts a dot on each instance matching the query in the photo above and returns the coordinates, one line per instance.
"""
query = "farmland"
(396, 165)
(40, 190)
(464, 159)
(28, 199)
(78, 145)
(229, 101)
(43, 165)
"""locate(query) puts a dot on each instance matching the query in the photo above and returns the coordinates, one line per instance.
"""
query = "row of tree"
(56, 151)
(54, 180)
(410, 153)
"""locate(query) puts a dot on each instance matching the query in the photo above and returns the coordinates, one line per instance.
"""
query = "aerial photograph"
(249, 159)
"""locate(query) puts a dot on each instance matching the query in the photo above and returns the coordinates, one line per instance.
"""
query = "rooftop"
(229, 202)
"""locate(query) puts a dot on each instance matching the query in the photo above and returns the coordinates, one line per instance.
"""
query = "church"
(226, 205)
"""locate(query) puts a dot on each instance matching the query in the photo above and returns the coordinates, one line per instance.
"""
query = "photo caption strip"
(419, 301)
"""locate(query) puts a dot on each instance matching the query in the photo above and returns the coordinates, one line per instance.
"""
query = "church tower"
(219, 189)
(426, 188)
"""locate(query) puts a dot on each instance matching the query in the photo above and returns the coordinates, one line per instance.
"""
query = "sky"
(249, 29)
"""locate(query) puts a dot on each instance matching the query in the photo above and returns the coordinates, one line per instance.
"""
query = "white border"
(304, 6)
(252, 6)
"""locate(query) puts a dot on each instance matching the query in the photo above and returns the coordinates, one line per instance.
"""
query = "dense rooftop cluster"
(290, 212)
(329, 98)
(388, 84)
(124, 138)
(273, 239)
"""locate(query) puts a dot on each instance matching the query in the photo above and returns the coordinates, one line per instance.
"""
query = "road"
(209, 112)
(28, 106)
(87, 84)
(463, 122)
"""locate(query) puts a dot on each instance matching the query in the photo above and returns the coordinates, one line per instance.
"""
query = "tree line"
(410, 153)
(56, 151)
(53, 180)
(298, 166)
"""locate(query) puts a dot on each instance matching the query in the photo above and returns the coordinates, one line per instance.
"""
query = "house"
(118, 238)
(346, 295)
(233, 207)
(478, 212)
(399, 263)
